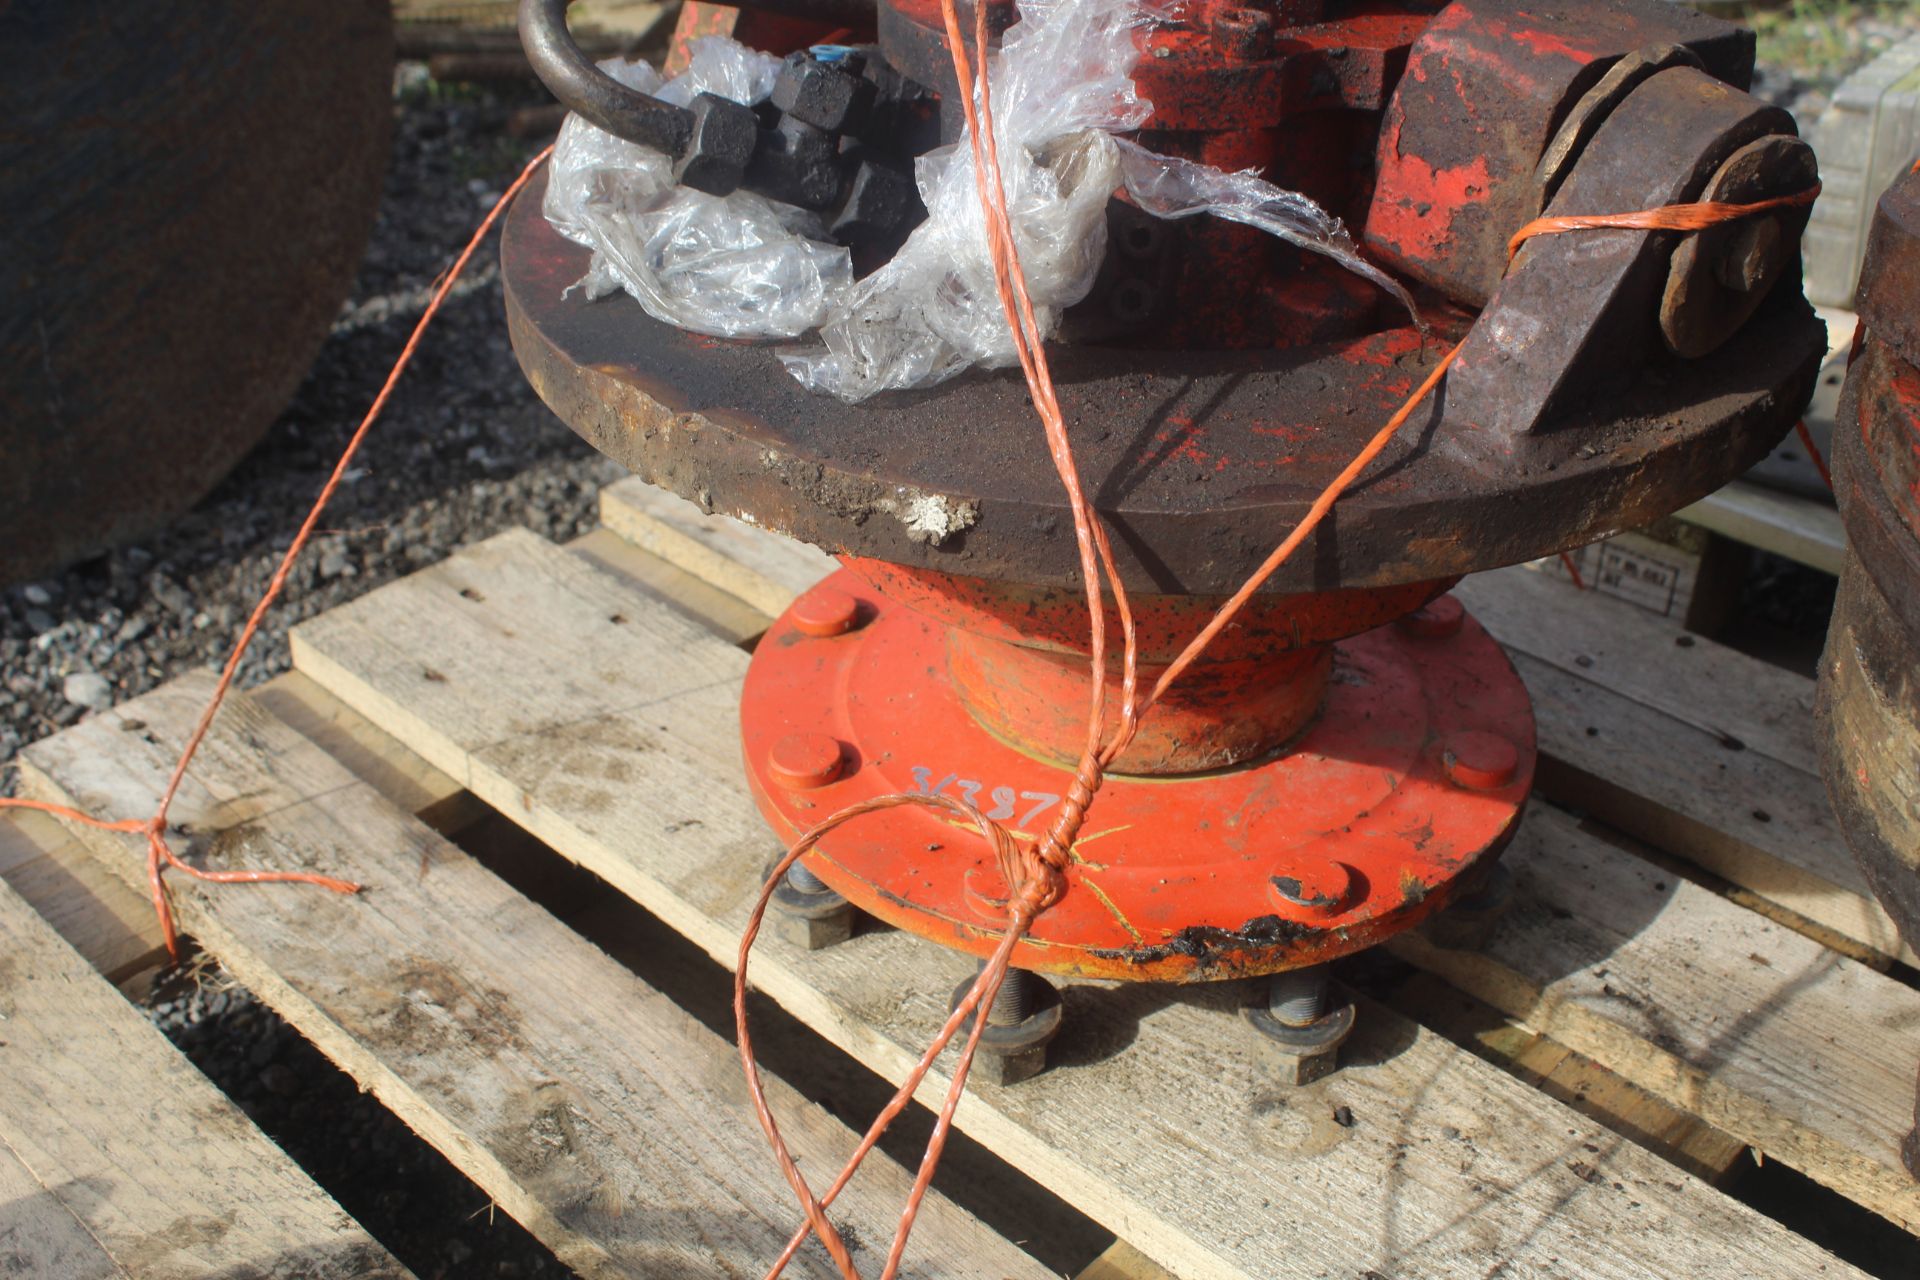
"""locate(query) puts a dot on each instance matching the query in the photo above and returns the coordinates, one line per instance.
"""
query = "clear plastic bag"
(737, 266)
(744, 266)
(1170, 187)
(1062, 87)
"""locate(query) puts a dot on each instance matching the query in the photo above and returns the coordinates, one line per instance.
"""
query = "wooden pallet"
(1681, 981)
(117, 1157)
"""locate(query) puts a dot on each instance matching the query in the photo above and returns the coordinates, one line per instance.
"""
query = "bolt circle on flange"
(802, 761)
(1480, 761)
(825, 611)
(1171, 880)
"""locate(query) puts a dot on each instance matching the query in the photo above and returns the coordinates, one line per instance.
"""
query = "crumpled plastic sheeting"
(737, 266)
(1062, 85)
(743, 266)
(1170, 187)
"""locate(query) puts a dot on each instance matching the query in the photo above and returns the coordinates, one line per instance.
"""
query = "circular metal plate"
(1173, 879)
(1201, 461)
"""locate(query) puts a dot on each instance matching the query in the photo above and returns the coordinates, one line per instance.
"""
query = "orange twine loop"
(1034, 871)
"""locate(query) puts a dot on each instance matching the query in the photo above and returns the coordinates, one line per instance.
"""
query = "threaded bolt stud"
(1298, 997)
(804, 881)
(1016, 1000)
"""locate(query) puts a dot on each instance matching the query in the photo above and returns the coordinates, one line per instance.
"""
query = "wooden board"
(1801, 529)
(101, 918)
(1733, 783)
(118, 1158)
(587, 1104)
(502, 668)
(370, 755)
(763, 569)
(1802, 1053)
(39, 1236)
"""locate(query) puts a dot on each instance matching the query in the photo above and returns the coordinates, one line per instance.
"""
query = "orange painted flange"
(1355, 830)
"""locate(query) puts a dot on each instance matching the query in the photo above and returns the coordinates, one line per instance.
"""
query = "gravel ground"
(463, 451)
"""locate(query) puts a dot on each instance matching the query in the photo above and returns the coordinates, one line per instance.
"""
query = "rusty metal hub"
(1869, 699)
(1303, 799)
(1356, 751)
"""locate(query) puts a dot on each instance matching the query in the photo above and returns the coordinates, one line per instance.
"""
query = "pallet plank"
(587, 1104)
(761, 568)
(143, 1154)
(628, 763)
(1802, 1053)
(1734, 785)
(39, 1236)
(102, 919)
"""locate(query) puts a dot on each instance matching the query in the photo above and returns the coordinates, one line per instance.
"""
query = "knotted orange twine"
(160, 855)
(1034, 871)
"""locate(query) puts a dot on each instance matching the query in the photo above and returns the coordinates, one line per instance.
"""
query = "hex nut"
(822, 95)
(810, 921)
(881, 203)
(1294, 1069)
(725, 135)
(815, 933)
(797, 164)
(1302, 1055)
(1011, 1054)
(1008, 1068)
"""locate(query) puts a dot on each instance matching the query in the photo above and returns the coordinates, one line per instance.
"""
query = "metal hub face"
(1355, 754)
(1200, 460)
(1413, 773)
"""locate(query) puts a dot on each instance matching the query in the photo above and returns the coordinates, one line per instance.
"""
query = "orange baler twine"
(1034, 871)
(160, 856)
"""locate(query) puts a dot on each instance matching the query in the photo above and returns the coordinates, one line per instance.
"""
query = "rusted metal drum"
(187, 191)
(1869, 704)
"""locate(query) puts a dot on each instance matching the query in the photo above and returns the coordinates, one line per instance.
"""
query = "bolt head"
(825, 96)
(1242, 34)
(881, 205)
(722, 145)
(1309, 886)
(802, 761)
(1480, 761)
(1752, 257)
(824, 611)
